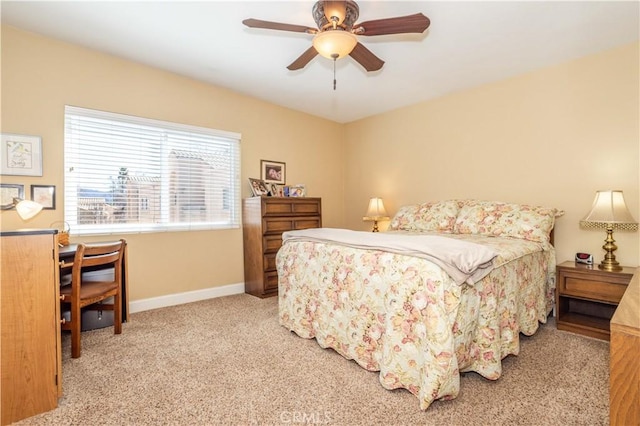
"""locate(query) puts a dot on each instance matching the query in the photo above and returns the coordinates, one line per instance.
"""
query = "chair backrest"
(86, 291)
(96, 255)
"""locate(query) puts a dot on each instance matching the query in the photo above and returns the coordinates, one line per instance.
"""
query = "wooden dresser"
(31, 355)
(264, 219)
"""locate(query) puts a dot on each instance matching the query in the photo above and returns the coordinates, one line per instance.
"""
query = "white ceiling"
(467, 44)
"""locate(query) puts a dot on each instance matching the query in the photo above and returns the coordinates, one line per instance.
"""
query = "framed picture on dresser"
(258, 187)
(276, 190)
(297, 191)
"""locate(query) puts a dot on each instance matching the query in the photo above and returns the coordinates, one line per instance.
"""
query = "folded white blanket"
(463, 261)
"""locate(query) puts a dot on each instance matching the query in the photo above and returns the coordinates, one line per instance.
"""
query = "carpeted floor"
(227, 361)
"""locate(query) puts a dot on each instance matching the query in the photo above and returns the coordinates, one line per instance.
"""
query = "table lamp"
(26, 209)
(375, 212)
(609, 212)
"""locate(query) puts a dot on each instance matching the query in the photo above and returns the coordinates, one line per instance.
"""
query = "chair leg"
(117, 313)
(75, 330)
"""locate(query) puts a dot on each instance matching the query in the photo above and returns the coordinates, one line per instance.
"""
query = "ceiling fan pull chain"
(334, 56)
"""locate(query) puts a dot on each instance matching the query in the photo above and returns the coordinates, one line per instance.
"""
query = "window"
(128, 174)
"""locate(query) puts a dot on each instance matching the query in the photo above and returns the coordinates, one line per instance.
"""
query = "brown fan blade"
(303, 59)
(403, 24)
(364, 57)
(257, 23)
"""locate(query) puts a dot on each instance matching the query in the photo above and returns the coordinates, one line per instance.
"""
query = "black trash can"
(91, 319)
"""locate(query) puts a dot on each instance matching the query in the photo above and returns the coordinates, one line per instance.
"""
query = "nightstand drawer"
(591, 289)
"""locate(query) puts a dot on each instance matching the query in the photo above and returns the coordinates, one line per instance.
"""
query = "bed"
(418, 317)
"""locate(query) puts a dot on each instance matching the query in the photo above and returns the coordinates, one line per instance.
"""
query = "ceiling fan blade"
(364, 57)
(416, 23)
(258, 23)
(303, 59)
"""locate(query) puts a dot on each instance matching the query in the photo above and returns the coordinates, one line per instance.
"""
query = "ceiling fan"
(336, 34)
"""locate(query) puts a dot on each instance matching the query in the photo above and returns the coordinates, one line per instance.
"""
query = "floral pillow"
(404, 218)
(506, 220)
(433, 216)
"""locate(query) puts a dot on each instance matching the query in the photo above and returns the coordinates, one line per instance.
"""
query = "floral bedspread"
(406, 318)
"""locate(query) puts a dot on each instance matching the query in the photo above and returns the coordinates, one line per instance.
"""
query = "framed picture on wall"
(272, 171)
(21, 155)
(44, 195)
(9, 191)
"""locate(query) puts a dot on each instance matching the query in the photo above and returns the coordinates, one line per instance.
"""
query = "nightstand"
(586, 297)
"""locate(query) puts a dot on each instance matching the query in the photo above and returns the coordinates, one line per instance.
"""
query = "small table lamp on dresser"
(375, 212)
(609, 212)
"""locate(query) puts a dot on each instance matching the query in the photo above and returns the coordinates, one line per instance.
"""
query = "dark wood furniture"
(31, 356)
(624, 377)
(587, 297)
(264, 219)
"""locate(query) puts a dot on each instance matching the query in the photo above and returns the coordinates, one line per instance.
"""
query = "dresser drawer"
(286, 207)
(269, 262)
(271, 281)
(596, 289)
(278, 225)
(272, 243)
(306, 223)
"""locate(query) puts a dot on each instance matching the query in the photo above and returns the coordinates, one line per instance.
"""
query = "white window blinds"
(128, 174)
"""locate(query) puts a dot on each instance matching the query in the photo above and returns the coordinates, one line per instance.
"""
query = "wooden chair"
(81, 293)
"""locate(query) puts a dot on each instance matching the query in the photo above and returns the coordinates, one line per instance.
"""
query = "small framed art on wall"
(273, 171)
(45, 195)
(21, 155)
(9, 191)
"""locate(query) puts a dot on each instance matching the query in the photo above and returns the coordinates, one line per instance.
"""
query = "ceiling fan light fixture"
(334, 44)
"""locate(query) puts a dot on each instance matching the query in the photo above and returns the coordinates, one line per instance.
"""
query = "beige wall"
(552, 137)
(40, 76)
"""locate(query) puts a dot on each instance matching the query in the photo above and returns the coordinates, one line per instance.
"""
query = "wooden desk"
(66, 255)
(30, 324)
(624, 377)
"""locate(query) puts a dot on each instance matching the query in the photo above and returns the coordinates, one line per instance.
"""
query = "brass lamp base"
(610, 267)
(375, 226)
(609, 263)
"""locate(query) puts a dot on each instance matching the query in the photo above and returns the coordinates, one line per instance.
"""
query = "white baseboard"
(187, 297)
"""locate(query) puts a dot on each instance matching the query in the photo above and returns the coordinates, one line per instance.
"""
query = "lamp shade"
(609, 211)
(334, 44)
(26, 208)
(376, 210)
